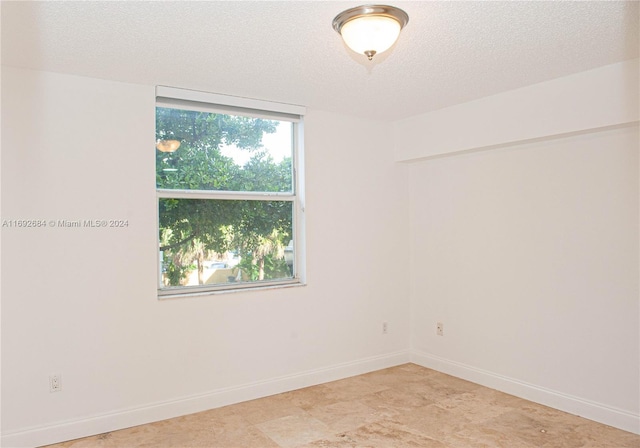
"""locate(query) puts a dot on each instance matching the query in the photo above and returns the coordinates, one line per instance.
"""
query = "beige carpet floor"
(403, 406)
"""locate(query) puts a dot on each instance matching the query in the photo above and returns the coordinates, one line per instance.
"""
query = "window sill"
(167, 294)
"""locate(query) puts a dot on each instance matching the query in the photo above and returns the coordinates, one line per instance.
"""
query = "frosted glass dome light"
(370, 29)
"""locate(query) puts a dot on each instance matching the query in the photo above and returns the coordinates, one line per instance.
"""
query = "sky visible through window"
(277, 144)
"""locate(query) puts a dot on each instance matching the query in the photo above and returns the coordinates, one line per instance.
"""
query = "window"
(228, 182)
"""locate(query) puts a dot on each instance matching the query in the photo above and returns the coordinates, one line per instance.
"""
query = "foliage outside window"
(227, 199)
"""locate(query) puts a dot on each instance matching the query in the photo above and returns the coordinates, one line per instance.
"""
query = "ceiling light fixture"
(167, 145)
(370, 29)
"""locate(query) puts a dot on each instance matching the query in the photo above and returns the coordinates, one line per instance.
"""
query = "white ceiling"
(287, 51)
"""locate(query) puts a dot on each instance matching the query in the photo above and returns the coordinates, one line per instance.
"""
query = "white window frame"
(215, 103)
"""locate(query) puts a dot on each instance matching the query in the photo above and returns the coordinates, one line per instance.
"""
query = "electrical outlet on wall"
(385, 327)
(440, 329)
(55, 382)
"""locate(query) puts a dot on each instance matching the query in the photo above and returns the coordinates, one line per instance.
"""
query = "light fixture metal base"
(369, 10)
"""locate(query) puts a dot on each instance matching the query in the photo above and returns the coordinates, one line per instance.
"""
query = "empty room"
(320, 223)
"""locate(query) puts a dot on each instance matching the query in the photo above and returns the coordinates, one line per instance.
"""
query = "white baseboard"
(598, 412)
(126, 418)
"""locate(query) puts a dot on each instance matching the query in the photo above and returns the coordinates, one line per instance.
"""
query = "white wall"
(82, 302)
(528, 253)
(597, 98)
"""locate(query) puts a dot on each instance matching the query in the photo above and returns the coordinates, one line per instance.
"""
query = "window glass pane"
(210, 241)
(208, 151)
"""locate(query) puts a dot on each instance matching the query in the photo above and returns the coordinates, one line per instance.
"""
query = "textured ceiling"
(287, 51)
